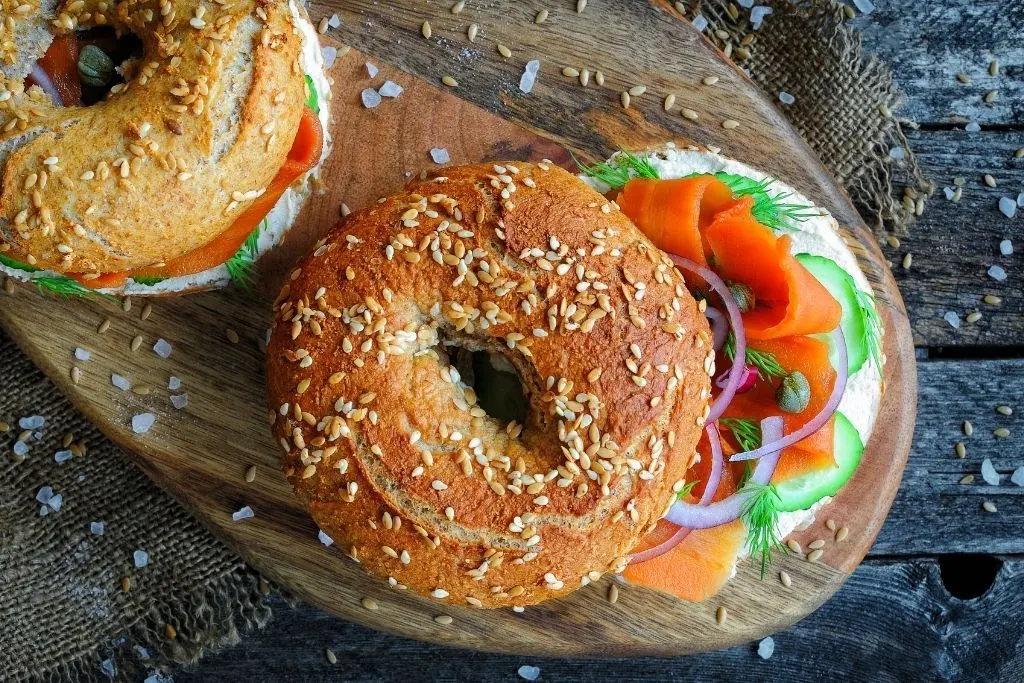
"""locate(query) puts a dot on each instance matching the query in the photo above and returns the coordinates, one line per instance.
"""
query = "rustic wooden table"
(942, 593)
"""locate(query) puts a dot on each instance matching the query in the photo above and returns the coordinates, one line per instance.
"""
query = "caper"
(95, 67)
(743, 295)
(794, 393)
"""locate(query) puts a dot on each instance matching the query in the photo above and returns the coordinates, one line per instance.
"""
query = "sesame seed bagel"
(168, 161)
(386, 443)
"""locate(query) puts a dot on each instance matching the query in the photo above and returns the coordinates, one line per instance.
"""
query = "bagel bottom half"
(387, 443)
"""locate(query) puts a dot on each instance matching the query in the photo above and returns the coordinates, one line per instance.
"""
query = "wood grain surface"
(201, 453)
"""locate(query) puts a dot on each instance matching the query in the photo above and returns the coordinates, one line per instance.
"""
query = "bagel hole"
(123, 49)
(498, 387)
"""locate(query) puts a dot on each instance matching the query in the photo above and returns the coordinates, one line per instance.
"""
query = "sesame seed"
(1004, 410)
(331, 657)
(689, 114)
(961, 450)
(973, 317)
(968, 427)
(721, 614)
(794, 546)
(989, 506)
(624, 99)
(370, 604)
(992, 300)
(785, 579)
(814, 545)
(670, 101)
(231, 335)
(472, 31)
(989, 180)
(1001, 432)
(637, 90)
(709, 80)
(570, 72)
(729, 124)
(541, 17)
(908, 259)
(613, 593)
(250, 474)
(426, 30)
(815, 555)
(104, 326)
(449, 81)
(443, 619)
(504, 51)
(842, 534)
(458, 7)
(967, 479)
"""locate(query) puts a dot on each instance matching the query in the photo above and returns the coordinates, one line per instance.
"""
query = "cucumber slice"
(840, 285)
(804, 491)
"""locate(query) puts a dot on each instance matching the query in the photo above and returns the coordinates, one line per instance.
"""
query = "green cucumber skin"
(840, 285)
(800, 493)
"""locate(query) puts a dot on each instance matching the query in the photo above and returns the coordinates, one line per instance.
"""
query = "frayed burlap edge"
(847, 114)
(215, 616)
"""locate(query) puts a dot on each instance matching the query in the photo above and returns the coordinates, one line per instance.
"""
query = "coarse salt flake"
(179, 401)
(120, 382)
(997, 273)
(330, 54)
(97, 528)
(529, 77)
(174, 383)
(56, 502)
(370, 98)
(32, 422)
(1018, 476)
(1020, 200)
(1007, 207)
(142, 422)
(20, 448)
(972, 127)
(372, 70)
(953, 318)
(390, 89)
(897, 153)
(786, 98)
(162, 348)
(699, 22)
(107, 667)
(44, 494)
(325, 539)
(865, 6)
(988, 473)
(242, 513)
(1006, 248)
(334, 21)
(949, 192)
(82, 354)
(529, 673)
(141, 558)
(766, 648)
(62, 456)
(440, 155)
(757, 15)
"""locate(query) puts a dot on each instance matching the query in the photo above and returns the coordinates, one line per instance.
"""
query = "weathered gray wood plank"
(891, 621)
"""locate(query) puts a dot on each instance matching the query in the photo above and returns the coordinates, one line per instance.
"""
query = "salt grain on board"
(56, 502)
(529, 77)
(44, 494)
(757, 15)
(972, 127)
(179, 401)
(746, 4)
(997, 273)
(32, 422)
(953, 319)
(786, 98)
(1007, 207)
(162, 348)
(325, 539)
(766, 648)
(897, 153)
(372, 70)
(699, 22)
(334, 21)
(529, 673)
(120, 382)
(1018, 476)
(1006, 248)
(62, 457)
(988, 473)
(370, 98)
(330, 54)
(82, 354)
(440, 155)
(1020, 200)
(97, 528)
(20, 448)
(174, 383)
(142, 422)
(390, 89)
(243, 513)
(864, 6)
(141, 558)
(107, 667)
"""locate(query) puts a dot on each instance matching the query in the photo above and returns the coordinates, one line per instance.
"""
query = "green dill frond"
(147, 281)
(312, 96)
(760, 513)
(66, 288)
(746, 432)
(872, 326)
(770, 210)
(768, 366)
(687, 489)
(241, 264)
(17, 265)
(619, 170)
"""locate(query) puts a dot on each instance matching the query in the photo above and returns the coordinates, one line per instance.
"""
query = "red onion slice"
(750, 376)
(719, 326)
(724, 511)
(721, 402)
(42, 79)
(714, 479)
(819, 420)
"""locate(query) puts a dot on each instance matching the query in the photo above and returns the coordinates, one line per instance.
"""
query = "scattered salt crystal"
(1018, 476)
(972, 127)
(334, 21)
(949, 192)
(243, 513)
(179, 401)
(864, 6)
(174, 383)
(97, 528)
(56, 502)
(32, 422)
(529, 77)
(897, 153)
(1020, 200)
(372, 70)
(43, 510)
(142, 422)
(325, 539)
(529, 673)
(1006, 248)
(82, 354)
(120, 382)
(953, 319)
(440, 155)
(786, 98)
(699, 22)
(370, 98)
(45, 494)
(757, 15)
(390, 89)
(766, 648)
(330, 54)
(38, 436)
(988, 473)
(107, 667)
(746, 4)
(20, 448)
(997, 273)
(62, 456)
(141, 558)
(162, 348)
(1008, 207)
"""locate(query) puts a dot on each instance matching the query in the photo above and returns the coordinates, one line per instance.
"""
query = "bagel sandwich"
(155, 150)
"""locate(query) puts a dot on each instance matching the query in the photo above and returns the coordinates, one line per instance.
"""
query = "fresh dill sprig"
(146, 280)
(57, 285)
(240, 265)
(312, 96)
(619, 170)
(746, 432)
(768, 366)
(760, 513)
(769, 209)
(872, 325)
(687, 489)
(17, 265)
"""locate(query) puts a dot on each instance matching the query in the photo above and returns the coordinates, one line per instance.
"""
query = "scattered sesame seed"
(331, 657)
(541, 17)
(613, 593)
(989, 506)
(426, 30)
(449, 81)
(785, 579)
(443, 619)
(370, 604)
(1004, 410)
(721, 614)
(961, 450)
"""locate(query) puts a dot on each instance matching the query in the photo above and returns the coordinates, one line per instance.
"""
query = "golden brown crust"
(396, 461)
(167, 163)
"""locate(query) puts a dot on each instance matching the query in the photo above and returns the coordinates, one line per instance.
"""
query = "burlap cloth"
(64, 610)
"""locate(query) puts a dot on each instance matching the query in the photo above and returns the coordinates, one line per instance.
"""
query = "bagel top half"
(386, 443)
(170, 159)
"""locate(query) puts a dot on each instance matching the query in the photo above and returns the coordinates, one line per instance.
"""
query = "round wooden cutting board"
(200, 454)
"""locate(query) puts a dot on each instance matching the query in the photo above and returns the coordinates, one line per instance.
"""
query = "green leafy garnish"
(768, 366)
(687, 489)
(769, 209)
(872, 326)
(57, 285)
(746, 432)
(147, 281)
(312, 97)
(760, 513)
(240, 265)
(619, 170)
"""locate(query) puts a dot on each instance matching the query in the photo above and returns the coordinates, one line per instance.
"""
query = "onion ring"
(42, 79)
(719, 326)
